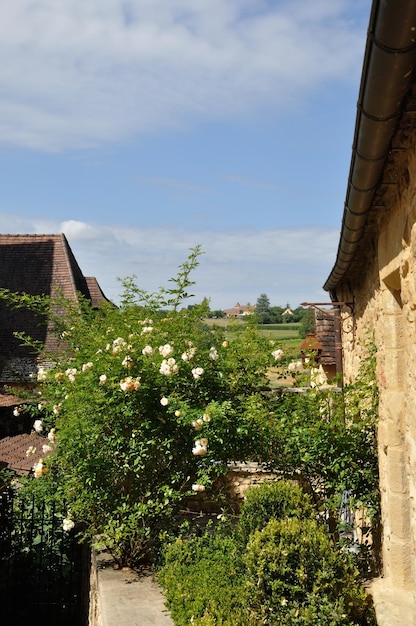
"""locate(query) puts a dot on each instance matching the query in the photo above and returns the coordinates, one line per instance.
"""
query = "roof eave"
(390, 52)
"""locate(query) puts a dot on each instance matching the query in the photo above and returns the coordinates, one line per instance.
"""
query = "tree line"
(267, 314)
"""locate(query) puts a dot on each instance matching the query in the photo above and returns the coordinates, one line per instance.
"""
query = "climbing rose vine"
(146, 405)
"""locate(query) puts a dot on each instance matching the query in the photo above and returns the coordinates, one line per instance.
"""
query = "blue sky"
(141, 128)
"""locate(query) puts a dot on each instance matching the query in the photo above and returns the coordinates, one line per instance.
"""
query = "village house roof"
(36, 265)
(96, 294)
(386, 104)
(240, 309)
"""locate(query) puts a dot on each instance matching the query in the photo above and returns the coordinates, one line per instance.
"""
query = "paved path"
(129, 599)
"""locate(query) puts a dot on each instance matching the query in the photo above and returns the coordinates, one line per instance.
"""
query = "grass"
(285, 335)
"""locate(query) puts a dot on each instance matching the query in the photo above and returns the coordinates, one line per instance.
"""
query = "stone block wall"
(239, 478)
(384, 298)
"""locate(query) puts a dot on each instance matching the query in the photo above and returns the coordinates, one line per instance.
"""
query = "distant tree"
(217, 313)
(263, 311)
(276, 314)
(307, 322)
(204, 306)
(298, 313)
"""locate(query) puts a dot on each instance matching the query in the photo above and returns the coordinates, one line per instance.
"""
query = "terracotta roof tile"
(95, 292)
(13, 452)
(9, 400)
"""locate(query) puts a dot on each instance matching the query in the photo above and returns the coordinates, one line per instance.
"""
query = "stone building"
(36, 265)
(373, 283)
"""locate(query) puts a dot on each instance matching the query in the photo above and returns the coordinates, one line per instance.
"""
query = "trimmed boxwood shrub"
(203, 579)
(275, 567)
(296, 576)
(272, 500)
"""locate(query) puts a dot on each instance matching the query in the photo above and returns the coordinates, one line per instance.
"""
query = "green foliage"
(278, 500)
(286, 572)
(216, 314)
(285, 328)
(329, 438)
(147, 404)
(279, 315)
(204, 580)
(295, 576)
(6, 476)
(307, 321)
(263, 313)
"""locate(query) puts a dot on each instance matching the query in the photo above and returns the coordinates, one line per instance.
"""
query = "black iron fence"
(44, 571)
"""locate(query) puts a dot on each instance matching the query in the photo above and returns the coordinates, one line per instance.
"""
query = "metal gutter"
(388, 71)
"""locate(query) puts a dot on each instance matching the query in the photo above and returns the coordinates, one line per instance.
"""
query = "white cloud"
(76, 230)
(237, 265)
(83, 73)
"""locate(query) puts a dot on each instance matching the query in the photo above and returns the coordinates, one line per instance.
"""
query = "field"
(285, 335)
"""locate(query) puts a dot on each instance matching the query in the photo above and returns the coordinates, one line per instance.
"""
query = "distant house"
(240, 310)
(373, 284)
(35, 265)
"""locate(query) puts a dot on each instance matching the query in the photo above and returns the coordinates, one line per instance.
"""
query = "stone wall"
(384, 303)
(239, 478)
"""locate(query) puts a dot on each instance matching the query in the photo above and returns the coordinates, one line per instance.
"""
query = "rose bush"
(144, 406)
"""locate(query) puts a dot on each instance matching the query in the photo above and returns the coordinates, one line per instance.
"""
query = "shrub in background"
(203, 578)
(328, 438)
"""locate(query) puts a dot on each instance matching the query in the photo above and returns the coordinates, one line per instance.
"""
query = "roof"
(8, 400)
(37, 265)
(240, 309)
(95, 292)
(325, 333)
(387, 77)
(311, 342)
(13, 452)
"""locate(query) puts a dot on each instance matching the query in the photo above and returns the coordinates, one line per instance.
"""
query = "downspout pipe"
(388, 71)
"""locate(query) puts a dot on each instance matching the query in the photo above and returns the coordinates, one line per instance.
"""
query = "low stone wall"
(242, 476)
(94, 617)
(239, 478)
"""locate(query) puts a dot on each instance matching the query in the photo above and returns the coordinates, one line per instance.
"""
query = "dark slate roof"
(36, 265)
